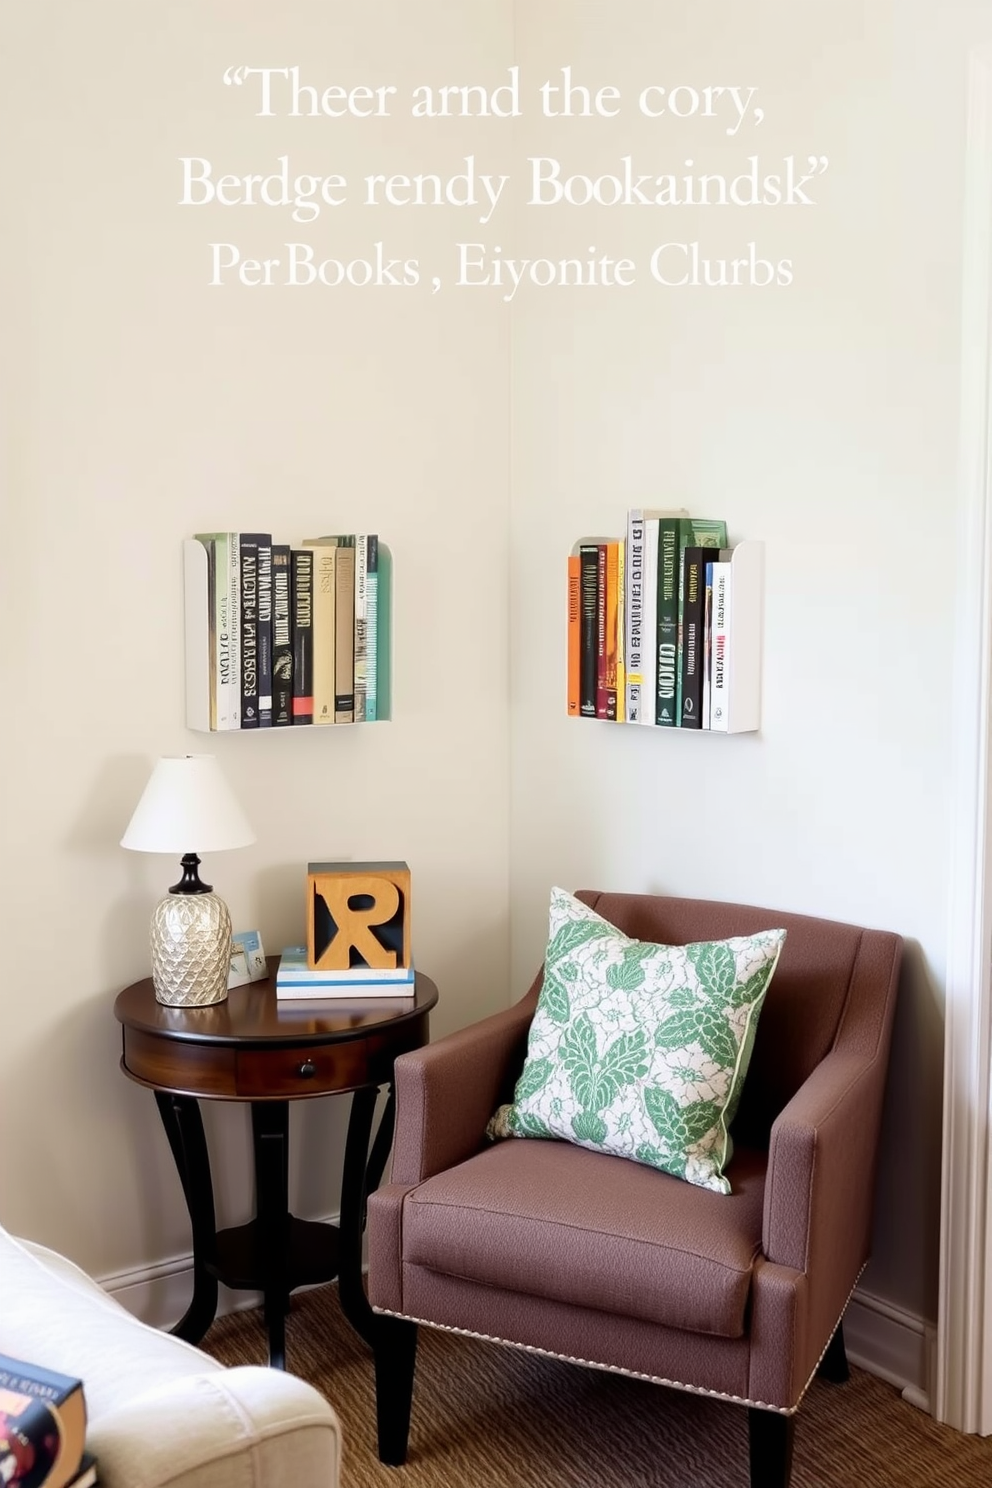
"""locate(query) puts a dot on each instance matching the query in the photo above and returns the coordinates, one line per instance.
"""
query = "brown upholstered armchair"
(610, 1263)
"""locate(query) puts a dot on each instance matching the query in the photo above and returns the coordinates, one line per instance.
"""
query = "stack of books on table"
(296, 980)
(43, 1428)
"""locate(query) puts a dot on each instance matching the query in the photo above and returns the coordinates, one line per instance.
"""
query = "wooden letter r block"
(358, 914)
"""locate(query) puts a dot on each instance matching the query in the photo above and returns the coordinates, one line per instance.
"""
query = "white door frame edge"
(963, 1396)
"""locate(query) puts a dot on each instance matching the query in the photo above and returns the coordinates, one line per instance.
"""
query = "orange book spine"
(574, 635)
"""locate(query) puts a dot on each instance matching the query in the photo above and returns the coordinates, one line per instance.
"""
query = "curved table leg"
(362, 1172)
(184, 1128)
(380, 1149)
(270, 1134)
(393, 1340)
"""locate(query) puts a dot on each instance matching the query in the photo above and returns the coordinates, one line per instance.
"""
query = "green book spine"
(384, 631)
(666, 680)
(702, 532)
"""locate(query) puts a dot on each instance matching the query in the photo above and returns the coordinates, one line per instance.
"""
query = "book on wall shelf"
(641, 550)
(687, 611)
(42, 1426)
(283, 633)
(255, 586)
(301, 622)
(282, 637)
(694, 533)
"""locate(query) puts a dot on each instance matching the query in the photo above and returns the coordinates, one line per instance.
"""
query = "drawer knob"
(307, 1070)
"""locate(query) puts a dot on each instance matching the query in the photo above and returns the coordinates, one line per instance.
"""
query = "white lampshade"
(187, 806)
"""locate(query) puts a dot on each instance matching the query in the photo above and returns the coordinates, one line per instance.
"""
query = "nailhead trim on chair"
(653, 1379)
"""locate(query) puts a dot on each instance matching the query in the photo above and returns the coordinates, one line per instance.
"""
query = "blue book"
(294, 972)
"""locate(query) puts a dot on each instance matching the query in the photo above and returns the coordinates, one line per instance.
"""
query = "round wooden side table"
(267, 1052)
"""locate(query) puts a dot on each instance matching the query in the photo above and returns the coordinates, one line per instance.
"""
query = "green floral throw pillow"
(640, 1049)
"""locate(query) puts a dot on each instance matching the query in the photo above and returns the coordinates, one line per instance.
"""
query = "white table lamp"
(188, 807)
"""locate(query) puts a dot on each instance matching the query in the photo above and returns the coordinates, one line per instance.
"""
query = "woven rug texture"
(486, 1416)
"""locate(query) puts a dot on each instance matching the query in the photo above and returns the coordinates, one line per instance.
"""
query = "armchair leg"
(833, 1365)
(395, 1350)
(771, 1438)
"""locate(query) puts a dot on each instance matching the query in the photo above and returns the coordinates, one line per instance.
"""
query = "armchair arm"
(234, 1427)
(446, 1092)
(821, 1166)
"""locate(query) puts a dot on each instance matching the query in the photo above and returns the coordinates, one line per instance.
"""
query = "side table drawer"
(300, 1071)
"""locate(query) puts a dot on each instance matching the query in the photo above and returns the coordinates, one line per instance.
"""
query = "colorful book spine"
(324, 612)
(301, 570)
(249, 629)
(294, 970)
(707, 639)
(621, 632)
(634, 615)
(265, 630)
(667, 621)
(640, 610)
(649, 612)
(693, 598)
(42, 1425)
(601, 630)
(361, 625)
(589, 593)
(704, 532)
(720, 648)
(372, 629)
(282, 637)
(610, 607)
(344, 631)
(573, 635)
(234, 610)
(384, 620)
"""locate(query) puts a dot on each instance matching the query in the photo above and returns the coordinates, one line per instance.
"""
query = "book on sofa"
(42, 1427)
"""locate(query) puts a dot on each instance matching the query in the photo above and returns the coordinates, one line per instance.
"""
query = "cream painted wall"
(822, 418)
(142, 405)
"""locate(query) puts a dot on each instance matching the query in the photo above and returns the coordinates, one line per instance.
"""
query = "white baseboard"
(160, 1294)
(895, 1345)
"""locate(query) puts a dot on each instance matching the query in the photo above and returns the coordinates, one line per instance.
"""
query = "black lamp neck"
(191, 883)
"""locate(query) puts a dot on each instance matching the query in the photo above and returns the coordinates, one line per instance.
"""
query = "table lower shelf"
(313, 1255)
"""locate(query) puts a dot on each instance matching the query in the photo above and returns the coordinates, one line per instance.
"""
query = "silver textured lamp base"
(191, 950)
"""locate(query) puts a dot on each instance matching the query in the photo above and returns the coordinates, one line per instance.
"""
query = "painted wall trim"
(963, 1387)
(895, 1345)
(159, 1294)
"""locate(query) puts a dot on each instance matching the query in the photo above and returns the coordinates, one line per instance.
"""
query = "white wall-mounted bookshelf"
(732, 653)
(199, 610)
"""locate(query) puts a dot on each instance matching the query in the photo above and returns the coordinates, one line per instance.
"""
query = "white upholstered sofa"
(160, 1411)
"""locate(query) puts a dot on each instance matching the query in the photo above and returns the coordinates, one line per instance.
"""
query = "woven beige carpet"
(486, 1416)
